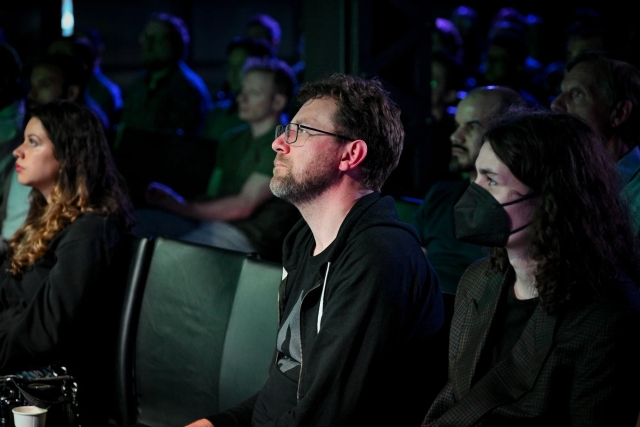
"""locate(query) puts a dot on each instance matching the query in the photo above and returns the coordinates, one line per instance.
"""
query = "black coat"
(63, 310)
(579, 368)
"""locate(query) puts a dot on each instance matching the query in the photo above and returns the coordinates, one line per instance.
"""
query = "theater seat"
(204, 334)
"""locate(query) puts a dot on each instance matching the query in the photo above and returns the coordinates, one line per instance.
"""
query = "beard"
(317, 177)
(458, 166)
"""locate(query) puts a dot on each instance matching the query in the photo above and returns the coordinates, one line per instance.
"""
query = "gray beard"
(297, 193)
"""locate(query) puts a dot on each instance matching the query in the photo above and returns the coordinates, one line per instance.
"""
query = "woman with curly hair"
(546, 328)
(58, 293)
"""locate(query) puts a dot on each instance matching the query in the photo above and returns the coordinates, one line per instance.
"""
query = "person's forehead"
(317, 111)
(585, 43)
(258, 79)
(46, 72)
(237, 56)
(487, 159)
(496, 52)
(475, 108)
(438, 70)
(157, 27)
(583, 74)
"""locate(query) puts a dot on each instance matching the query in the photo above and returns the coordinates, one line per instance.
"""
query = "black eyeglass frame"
(280, 129)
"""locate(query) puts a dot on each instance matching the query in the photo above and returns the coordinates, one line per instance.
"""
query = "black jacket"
(63, 310)
(577, 368)
(374, 357)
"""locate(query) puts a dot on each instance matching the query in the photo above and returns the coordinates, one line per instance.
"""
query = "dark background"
(363, 37)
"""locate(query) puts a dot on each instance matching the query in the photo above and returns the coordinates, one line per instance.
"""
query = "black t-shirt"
(511, 318)
(279, 394)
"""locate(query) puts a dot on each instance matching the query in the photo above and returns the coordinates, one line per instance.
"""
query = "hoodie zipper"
(324, 287)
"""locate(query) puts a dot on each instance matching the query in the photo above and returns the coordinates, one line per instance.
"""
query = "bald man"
(434, 219)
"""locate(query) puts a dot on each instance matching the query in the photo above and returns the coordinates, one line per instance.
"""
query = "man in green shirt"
(239, 211)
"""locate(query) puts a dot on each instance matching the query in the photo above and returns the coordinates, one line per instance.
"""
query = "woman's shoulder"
(89, 225)
(475, 276)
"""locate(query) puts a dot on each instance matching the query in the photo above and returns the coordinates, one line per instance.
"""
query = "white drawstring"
(324, 287)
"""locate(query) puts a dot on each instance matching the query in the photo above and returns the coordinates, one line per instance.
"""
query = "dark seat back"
(205, 334)
(138, 253)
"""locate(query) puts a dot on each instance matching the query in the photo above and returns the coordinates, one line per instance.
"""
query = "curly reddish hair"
(87, 182)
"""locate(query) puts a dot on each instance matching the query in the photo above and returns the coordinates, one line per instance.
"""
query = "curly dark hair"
(365, 111)
(87, 181)
(581, 231)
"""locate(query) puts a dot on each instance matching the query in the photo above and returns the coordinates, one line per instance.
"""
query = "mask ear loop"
(520, 228)
(521, 199)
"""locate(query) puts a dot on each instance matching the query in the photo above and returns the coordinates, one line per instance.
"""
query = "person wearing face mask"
(545, 328)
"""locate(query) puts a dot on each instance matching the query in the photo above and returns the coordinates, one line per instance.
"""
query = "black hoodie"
(375, 358)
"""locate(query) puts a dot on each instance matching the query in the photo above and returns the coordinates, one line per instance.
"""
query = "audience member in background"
(12, 107)
(359, 303)
(60, 291)
(446, 38)
(449, 256)
(224, 115)
(12, 111)
(239, 211)
(582, 38)
(100, 89)
(545, 329)
(168, 95)
(264, 26)
(427, 148)
(505, 64)
(62, 76)
(605, 93)
(465, 18)
(54, 77)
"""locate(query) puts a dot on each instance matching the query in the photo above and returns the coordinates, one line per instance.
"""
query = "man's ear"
(279, 102)
(620, 113)
(353, 155)
(73, 93)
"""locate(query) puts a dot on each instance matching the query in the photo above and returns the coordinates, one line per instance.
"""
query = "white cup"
(29, 416)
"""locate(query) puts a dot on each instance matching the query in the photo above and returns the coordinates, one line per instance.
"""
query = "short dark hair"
(620, 81)
(365, 111)
(178, 30)
(80, 46)
(270, 25)
(581, 230)
(72, 68)
(253, 46)
(284, 78)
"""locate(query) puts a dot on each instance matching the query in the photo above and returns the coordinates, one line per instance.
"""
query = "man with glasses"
(360, 306)
(239, 212)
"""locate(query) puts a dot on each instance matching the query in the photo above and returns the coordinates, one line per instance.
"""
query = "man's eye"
(491, 182)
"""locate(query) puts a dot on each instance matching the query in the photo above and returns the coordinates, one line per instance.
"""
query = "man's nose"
(558, 104)
(455, 136)
(279, 145)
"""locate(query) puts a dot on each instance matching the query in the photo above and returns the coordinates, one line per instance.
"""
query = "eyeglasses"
(293, 129)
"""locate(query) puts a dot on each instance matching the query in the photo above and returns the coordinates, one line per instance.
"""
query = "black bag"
(57, 394)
